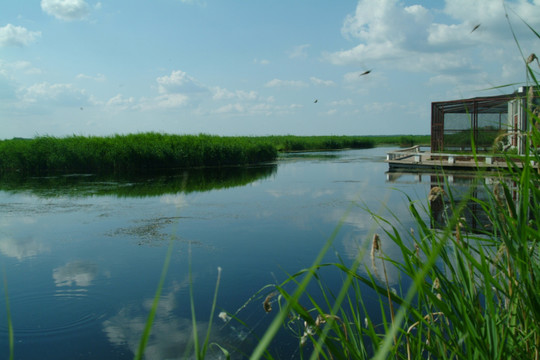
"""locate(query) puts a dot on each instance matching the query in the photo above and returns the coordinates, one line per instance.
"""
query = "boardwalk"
(414, 158)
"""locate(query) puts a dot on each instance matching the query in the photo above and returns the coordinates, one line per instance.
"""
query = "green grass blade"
(148, 327)
(265, 341)
(214, 301)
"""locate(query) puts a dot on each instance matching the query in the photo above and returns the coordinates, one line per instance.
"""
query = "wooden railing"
(403, 153)
(422, 156)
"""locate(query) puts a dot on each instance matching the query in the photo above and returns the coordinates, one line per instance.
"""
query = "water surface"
(82, 256)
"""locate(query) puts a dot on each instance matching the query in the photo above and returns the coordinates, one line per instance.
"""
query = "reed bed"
(151, 152)
(128, 154)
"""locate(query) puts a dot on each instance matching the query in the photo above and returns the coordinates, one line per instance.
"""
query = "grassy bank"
(128, 154)
(151, 152)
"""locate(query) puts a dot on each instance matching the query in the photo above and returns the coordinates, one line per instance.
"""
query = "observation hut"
(492, 125)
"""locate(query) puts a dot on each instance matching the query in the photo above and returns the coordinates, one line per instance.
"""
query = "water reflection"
(78, 273)
(21, 248)
(172, 335)
(188, 181)
(450, 189)
(83, 254)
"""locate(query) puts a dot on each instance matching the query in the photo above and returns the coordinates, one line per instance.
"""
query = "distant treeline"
(151, 152)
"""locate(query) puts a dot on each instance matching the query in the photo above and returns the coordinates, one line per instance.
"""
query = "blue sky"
(231, 67)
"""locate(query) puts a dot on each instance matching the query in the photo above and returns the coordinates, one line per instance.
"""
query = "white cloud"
(230, 108)
(224, 94)
(299, 51)
(120, 102)
(9, 69)
(162, 102)
(341, 102)
(321, 82)
(179, 82)
(26, 67)
(63, 94)
(11, 35)
(171, 100)
(68, 10)
(416, 39)
(285, 83)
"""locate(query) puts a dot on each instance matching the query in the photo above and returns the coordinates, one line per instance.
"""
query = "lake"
(82, 255)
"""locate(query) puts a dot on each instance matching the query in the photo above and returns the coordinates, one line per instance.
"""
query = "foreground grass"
(473, 293)
(151, 152)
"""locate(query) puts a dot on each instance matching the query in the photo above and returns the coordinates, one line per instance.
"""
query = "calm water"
(82, 256)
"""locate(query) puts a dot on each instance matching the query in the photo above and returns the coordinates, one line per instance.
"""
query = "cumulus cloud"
(179, 82)
(65, 94)
(11, 35)
(68, 10)
(224, 94)
(414, 38)
(120, 102)
(162, 102)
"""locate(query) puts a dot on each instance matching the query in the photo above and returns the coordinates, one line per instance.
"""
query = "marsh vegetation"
(155, 152)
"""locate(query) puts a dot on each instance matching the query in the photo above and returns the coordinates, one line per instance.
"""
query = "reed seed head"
(435, 193)
(267, 304)
(376, 243)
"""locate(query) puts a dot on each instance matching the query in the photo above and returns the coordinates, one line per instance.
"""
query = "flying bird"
(365, 72)
(475, 27)
(316, 101)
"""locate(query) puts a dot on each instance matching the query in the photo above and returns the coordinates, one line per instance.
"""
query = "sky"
(231, 67)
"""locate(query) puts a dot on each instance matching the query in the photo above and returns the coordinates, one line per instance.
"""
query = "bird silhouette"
(316, 101)
(365, 72)
(475, 27)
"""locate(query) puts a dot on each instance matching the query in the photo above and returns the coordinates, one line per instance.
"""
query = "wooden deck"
(414, 158)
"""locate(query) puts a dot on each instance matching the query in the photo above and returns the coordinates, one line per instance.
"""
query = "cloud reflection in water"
(171, 336)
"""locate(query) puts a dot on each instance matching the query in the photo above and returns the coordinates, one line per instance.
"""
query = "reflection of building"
(487, 121)
(454, 188)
